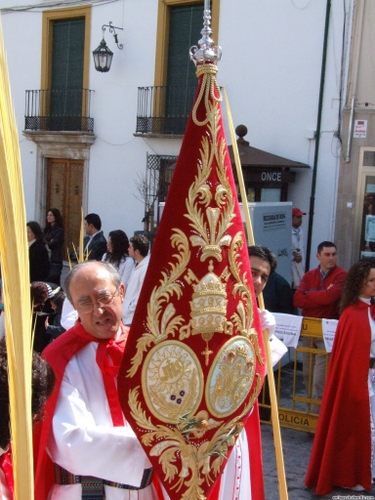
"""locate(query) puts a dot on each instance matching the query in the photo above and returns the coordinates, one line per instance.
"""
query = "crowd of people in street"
(83, 418)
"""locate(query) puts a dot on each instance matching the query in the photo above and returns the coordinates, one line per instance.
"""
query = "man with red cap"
(298, 252)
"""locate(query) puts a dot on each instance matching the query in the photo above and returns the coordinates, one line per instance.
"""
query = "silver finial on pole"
(206, 53)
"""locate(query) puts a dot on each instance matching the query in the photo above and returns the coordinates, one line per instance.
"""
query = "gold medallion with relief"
(231, 376)
(172, 381)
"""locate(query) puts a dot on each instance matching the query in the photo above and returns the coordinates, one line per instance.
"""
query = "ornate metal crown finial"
(206, 53)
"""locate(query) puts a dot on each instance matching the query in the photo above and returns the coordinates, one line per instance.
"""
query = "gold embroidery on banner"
(189, 455)
(211, 231)
(243, 317)
(208, 309)
(208, 87)
(206, 353)
(231, 376)
(172, 380)
(162, 325)
(192, 461)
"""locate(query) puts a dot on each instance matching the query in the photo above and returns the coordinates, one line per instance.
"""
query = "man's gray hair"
(115, 275)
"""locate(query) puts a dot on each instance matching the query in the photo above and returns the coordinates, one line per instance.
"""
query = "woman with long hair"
(344, 445)
(118, 254)
(38, 254)
(54, 238)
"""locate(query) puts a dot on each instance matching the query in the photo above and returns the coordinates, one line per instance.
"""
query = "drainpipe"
(317, 138)
(355, 80)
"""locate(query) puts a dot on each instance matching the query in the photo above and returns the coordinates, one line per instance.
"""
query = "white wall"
(271, 66)
(22, 41)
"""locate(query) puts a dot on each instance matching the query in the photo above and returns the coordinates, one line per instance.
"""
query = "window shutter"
(186, 24)
(67, 74)
(67, 54)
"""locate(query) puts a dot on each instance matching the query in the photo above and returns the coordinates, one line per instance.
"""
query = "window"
(179, 26)
(185, 26)
(68, 40)
(159, 172)
(65, 61)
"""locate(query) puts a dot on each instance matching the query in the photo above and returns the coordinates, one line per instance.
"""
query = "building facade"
(108, 142)
(356, 187)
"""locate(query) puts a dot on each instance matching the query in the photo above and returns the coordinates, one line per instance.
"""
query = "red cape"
(58, 354)
(341, 454)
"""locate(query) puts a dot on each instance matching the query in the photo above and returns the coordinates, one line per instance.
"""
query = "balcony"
(58, 110)
(164, 110)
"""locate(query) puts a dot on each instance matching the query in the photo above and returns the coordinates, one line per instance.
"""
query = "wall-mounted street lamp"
(103, 55)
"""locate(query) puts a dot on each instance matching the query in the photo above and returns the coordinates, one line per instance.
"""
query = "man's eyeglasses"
(104, 301)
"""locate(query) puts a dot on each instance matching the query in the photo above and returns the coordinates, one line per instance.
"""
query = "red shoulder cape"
(341, 453)
(58, 354)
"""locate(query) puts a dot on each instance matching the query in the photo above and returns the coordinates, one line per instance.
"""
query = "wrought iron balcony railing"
(164, 110)
(58, 110)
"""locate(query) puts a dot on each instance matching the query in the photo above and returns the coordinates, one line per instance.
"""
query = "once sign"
(271, 176)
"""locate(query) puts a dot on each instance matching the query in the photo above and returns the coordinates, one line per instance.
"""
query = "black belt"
(64, 477)
(372, 363)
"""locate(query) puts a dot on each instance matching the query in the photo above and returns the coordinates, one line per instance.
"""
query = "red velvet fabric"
(176, 221)
(341, 453)
(7, 468)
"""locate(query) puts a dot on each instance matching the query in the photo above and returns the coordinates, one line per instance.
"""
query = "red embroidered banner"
(193, 365)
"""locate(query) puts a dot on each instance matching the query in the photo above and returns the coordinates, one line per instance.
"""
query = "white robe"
(83, 439)
(235, 483)
(133, 290)
(298, 268)
(125, 268)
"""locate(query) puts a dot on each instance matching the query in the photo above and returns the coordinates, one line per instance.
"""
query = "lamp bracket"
(112, 29)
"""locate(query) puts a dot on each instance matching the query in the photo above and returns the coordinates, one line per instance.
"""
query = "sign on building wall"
(360, 129)
(272, 227)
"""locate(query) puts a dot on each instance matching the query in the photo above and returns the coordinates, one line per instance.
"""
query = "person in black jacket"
(54, 238)
(278, 295)
(94, 243)
(53, 322)
(38, 254)
(41, 293)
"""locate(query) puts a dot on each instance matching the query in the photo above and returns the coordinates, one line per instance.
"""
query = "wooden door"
(64, 191)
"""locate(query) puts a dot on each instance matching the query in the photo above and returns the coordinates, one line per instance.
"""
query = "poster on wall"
(360, 129)
(272, 222)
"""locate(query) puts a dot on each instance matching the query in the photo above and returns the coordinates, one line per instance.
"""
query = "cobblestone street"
(296, 447)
